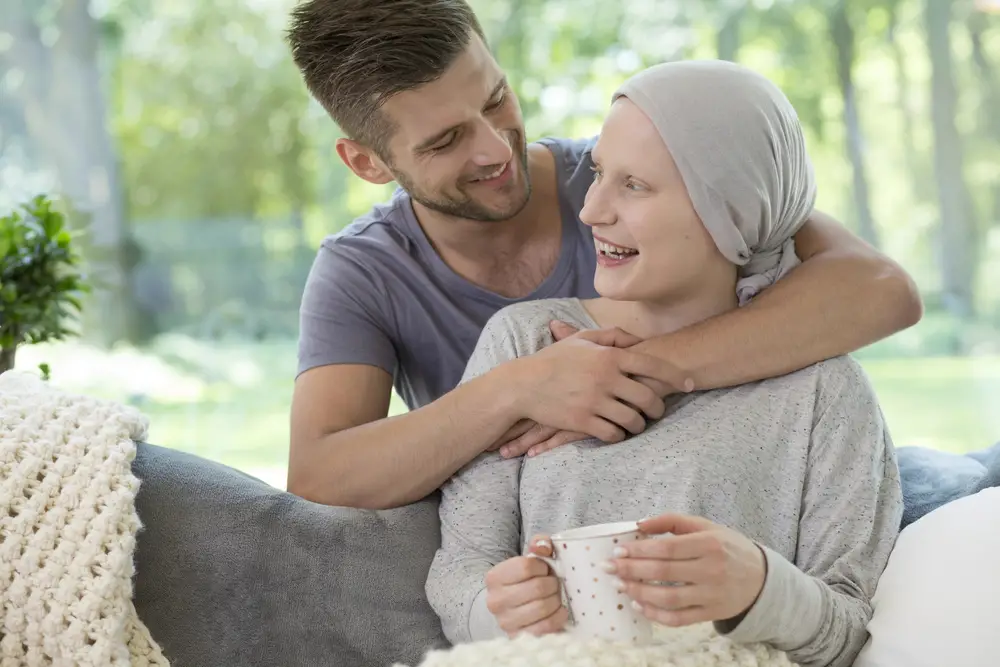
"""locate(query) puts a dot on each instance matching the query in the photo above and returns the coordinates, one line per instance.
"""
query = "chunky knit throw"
(693, 646)
(68, 529)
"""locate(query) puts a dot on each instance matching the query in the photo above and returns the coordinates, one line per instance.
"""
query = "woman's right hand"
(523, 594)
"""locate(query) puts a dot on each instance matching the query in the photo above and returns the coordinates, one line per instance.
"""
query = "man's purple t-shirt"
(379, 294)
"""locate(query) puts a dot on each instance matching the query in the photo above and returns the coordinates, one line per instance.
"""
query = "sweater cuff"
(482, 623)
(788, 612)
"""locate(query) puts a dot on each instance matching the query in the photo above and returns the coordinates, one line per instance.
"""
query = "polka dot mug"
(596, 607)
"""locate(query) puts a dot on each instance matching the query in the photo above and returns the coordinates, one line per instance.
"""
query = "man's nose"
(490, 147)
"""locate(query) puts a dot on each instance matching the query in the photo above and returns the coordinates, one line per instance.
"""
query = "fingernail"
(689, 385)
(543, 543)
(531, 452)
(619, 585)
(619, 552)
(636, 606)
(609, 567)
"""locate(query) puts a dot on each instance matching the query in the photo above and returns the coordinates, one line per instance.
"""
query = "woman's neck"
(650, 319)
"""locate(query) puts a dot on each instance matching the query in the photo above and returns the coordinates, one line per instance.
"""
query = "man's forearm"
(399, 460)
(832, 304)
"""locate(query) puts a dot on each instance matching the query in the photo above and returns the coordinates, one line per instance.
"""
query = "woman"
(783, 495)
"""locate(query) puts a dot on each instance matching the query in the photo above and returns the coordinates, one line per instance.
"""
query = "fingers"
(639, 395)
(678, 524)
(537, 434)
(516, 570)
(636, 363)
(692, 571)
(540, 545)
(673, 548)
(622, 415)
(561, 330)
(603, 430)
(514, 617)
(513, 433)
(558, 440)
(668, 598)
(527, 592)
(554, 623)
(611, 337)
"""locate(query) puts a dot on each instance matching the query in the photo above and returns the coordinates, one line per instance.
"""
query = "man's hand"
(589, 384)
(523, 594)
(531, 438)
(718, 573)
(562, 330)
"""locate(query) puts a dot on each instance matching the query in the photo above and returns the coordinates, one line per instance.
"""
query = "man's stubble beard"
(467, 208)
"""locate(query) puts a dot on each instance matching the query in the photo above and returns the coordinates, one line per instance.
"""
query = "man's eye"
(446, 144)
(497, 103)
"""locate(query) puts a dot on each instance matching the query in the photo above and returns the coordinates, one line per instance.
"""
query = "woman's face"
(651, 244)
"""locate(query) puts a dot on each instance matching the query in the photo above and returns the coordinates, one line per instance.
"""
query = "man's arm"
(845, 295)
(345, 451)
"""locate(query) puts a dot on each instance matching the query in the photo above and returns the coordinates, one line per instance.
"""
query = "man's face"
(459, 145)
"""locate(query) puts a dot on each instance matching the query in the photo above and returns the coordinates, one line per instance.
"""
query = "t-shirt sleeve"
(344, 315)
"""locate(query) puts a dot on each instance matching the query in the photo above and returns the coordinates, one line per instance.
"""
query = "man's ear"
(363, 162)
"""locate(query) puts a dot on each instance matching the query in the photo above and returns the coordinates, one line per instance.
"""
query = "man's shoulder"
(380, 233)
(571, 154)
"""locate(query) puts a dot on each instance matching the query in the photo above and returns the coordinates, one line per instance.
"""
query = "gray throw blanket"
(931, 478)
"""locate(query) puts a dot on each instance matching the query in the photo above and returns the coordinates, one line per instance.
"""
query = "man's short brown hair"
(356, 54)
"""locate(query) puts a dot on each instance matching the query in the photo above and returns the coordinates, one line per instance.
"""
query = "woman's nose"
(596, 210)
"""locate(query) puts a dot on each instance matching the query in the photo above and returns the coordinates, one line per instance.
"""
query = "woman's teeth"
(615, 252)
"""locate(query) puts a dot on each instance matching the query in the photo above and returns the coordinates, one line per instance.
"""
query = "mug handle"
(557, 568)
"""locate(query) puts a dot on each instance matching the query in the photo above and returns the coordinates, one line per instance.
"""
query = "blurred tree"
(843, 39)
(55, 54)
(957, 230)
(989, 91)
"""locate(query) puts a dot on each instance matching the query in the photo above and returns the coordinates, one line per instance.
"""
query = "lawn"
(229, 400)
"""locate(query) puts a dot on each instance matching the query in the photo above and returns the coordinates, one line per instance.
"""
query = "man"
(483, 219)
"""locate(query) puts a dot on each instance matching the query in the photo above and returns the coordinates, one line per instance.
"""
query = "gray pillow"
(231, 571)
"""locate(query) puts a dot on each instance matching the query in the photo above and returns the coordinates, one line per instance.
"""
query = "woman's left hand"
(722, 571)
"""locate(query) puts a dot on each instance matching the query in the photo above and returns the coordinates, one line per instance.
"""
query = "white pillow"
(938, 602)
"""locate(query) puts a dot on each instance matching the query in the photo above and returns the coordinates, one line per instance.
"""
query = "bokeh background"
(205, 178)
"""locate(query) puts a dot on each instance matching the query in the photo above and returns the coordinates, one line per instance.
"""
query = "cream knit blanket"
(68, 529)
(693, 646)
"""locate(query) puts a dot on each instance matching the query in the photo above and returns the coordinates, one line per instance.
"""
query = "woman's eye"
(597, 173)
(632, 185)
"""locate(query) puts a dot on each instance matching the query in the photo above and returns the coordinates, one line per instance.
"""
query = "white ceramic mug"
(596, 607)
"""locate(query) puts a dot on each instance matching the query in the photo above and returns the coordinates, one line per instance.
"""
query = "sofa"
(233, 572)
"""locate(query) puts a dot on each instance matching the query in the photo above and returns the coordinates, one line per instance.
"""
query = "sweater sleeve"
(480, 516)
(817, 609)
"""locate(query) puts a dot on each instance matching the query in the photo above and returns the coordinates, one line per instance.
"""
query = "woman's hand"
(523, 594)
(722, 571)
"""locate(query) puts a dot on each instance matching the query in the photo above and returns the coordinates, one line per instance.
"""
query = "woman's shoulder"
(839, 378)
(529, 320)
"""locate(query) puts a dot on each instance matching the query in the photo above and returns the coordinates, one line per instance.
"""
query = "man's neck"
(649, 320)
(510, 257)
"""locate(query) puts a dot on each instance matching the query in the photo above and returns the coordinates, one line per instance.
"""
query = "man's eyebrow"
(429, 142)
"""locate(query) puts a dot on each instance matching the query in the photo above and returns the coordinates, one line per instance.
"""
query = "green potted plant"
(41, 280)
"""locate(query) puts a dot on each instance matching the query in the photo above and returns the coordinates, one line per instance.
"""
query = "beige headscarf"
(738, 144)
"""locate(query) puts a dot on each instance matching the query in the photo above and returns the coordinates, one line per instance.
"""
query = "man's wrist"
(505, 388)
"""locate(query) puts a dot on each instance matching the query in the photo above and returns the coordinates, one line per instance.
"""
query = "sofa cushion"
(231, 571)
(938, 600)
